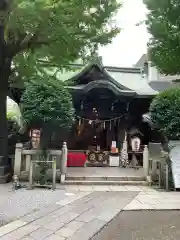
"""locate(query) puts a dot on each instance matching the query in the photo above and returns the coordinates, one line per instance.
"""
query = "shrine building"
(109, 104)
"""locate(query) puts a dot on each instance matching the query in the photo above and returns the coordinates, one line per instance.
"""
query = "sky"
(127, 48)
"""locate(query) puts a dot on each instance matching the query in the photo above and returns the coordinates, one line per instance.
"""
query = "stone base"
(5, 175)
(62, 178)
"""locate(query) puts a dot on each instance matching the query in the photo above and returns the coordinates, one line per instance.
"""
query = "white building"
(155, 79)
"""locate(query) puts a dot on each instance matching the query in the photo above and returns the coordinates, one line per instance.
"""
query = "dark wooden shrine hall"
(108, 102)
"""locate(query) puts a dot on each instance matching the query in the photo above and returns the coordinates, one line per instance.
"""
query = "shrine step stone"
(105, 178)
(106, 182)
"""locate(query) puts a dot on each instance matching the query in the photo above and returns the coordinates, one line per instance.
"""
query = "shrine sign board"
(175, 161)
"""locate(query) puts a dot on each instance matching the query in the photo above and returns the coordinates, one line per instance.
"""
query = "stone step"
(109, 178)
(107, 182)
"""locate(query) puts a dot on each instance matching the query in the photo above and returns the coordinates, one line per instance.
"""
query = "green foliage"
(47, 102)
(164, 26)
(13, 126)
(41, 175)
(165, 111)
(56, 31)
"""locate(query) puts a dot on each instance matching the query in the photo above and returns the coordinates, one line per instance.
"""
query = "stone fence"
(155, 165)
(23, 158)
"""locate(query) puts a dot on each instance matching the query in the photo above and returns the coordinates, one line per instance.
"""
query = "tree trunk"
(45, 137)
(5, 71)
(4, 164)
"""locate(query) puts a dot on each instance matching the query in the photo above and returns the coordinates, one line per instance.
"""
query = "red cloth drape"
(76, 159)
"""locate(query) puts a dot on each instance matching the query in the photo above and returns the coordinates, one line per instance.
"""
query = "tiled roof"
(126, 79)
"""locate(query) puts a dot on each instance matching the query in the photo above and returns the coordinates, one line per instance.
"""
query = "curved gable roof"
(123, 79)
(98, 64)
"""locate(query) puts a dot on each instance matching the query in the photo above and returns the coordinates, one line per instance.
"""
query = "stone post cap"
(19, 145)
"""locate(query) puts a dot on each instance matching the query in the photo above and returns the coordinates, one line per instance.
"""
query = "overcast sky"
(131, 43)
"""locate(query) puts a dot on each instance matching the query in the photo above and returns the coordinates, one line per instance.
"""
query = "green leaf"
(58, 31)
(47, 102)
(164, 26)
(165, 111)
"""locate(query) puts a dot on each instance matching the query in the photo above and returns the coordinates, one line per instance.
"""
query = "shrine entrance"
(98, 118)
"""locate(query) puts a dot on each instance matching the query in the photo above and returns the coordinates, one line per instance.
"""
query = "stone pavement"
(142, 225)
(73, 212)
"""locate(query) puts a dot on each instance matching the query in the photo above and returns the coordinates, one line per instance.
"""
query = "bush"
(165, 112)
(47, 105)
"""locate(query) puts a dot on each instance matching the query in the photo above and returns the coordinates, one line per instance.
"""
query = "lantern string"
(101, 121)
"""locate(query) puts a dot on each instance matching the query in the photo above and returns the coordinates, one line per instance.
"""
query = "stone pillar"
(146, 160)
(31, 176)
(54, 174)
(18, 159)
(167, 177)
(28, 162)
(63, 165)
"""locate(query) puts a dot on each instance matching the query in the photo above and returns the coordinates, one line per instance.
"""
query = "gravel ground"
(15, 204)
(143, 225)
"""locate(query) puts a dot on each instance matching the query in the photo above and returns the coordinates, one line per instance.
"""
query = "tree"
(47, 105)
(165, 113)
(164, 26)
(33, 32)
